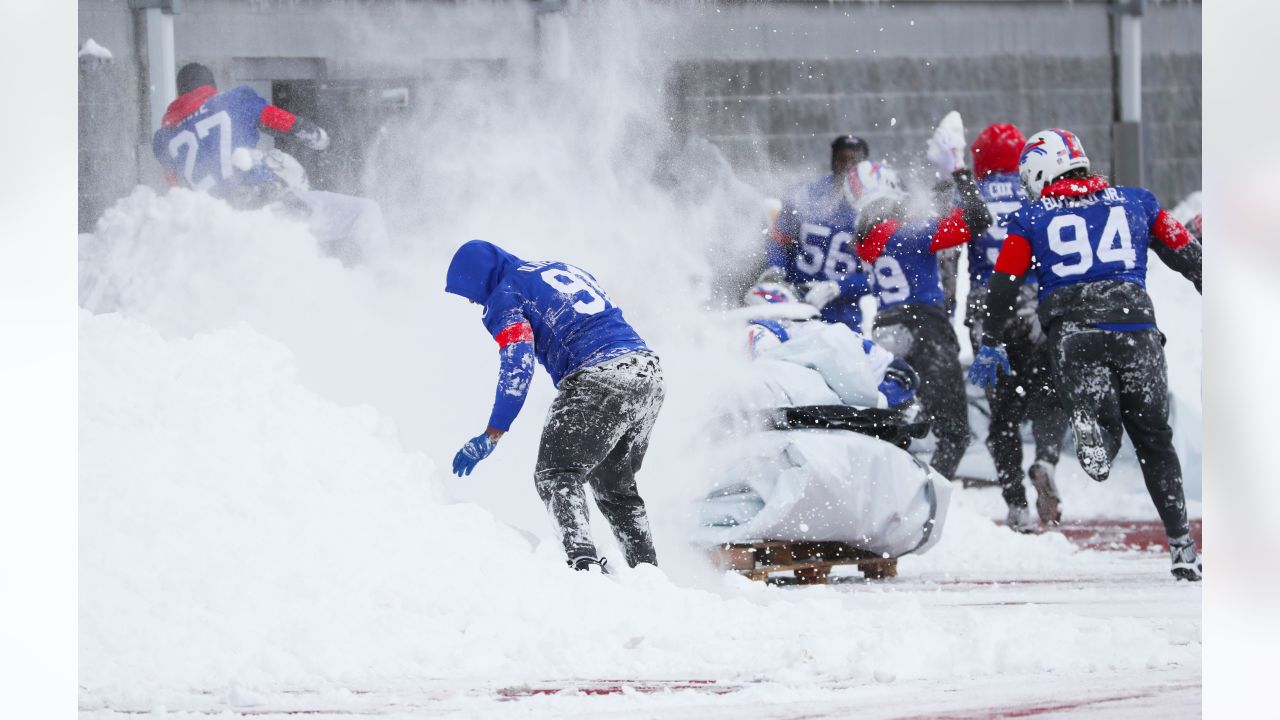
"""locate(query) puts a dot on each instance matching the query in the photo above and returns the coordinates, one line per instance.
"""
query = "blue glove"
(986, 367)
(476, 449)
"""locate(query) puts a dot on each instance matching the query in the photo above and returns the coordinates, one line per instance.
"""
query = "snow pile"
(237, 530)
(92, 49)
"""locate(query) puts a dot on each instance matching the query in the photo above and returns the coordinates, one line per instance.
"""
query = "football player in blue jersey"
(207, 141)
(911, 319)
(1089, 245)
(202, 129)
(811, 239)
(1027, 392)
(610, 389)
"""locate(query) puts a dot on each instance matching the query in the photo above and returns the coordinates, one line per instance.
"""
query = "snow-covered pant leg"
(928, 343)
(347, 227)
(1027, 392)
(1121, 380)
(597, 431)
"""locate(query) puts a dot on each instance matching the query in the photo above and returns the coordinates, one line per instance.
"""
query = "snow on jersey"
(1103, 235)
(1003, 194)
(813, 240)
(574, 324)
(198, 148)
(906, 271)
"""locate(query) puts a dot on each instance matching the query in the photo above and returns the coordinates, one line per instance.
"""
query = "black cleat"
(586, 563)
(1048, 503)
(1090, 449)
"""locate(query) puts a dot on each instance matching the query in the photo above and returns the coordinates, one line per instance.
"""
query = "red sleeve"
(874, 243)
(780, 237)
(276, 119)
(952, 231)
(1015, 256)
(514, 333)
(1170, 231)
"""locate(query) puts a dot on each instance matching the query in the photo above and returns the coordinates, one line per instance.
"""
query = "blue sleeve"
(505, 320)
(515, 371)
(776, 254)
(784, 233)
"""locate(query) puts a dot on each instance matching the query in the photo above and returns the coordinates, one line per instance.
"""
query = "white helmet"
(1046, 156)
(769, 292)
(869, 178)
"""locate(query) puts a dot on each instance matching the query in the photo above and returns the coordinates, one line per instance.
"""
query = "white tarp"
(817, 484)
(825, 485)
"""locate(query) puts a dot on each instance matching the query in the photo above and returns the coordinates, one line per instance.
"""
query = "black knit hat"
(192, 76)
(851, 141)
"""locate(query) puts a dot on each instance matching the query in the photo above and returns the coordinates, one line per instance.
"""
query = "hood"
(477, 268)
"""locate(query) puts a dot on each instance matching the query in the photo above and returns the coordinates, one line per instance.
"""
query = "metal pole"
(161, 78)
(162, 84)
(1128, 159)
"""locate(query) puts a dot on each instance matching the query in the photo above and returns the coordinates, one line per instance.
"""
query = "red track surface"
(1123, 534)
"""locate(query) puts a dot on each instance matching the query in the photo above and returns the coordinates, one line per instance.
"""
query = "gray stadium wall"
(767, 82)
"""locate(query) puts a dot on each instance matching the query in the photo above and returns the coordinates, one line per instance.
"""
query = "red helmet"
(996, 149)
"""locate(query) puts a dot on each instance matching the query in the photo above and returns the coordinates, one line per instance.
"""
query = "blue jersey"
(549, 310)
(574, 323)
(906, 271)
(1003, 194)
(1103, 235)
(813, 240)
(198, 147)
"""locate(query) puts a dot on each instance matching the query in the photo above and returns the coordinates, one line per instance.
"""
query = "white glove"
(946, 147)
(820, 292)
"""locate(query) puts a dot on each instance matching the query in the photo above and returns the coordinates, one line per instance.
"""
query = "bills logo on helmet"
(1035, 148)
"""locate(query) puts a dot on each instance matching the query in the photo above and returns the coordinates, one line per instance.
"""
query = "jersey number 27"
(190, 142)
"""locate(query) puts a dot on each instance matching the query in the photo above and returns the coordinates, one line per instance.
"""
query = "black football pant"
(923, 336)
(1120, 379)
(1027, 392)
(597, 432)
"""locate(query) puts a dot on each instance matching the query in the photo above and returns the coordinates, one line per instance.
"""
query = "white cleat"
(1186, 563)
(1020, 520)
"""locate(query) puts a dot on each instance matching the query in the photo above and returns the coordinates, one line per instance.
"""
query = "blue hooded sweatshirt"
(545, 309)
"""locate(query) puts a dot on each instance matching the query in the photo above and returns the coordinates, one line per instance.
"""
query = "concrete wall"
(771, 84)
(768, 82)
(111, 111)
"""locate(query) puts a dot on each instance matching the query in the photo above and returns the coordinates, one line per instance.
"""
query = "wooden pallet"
(810, 562)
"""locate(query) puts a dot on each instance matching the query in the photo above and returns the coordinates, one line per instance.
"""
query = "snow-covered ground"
(268, 526)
